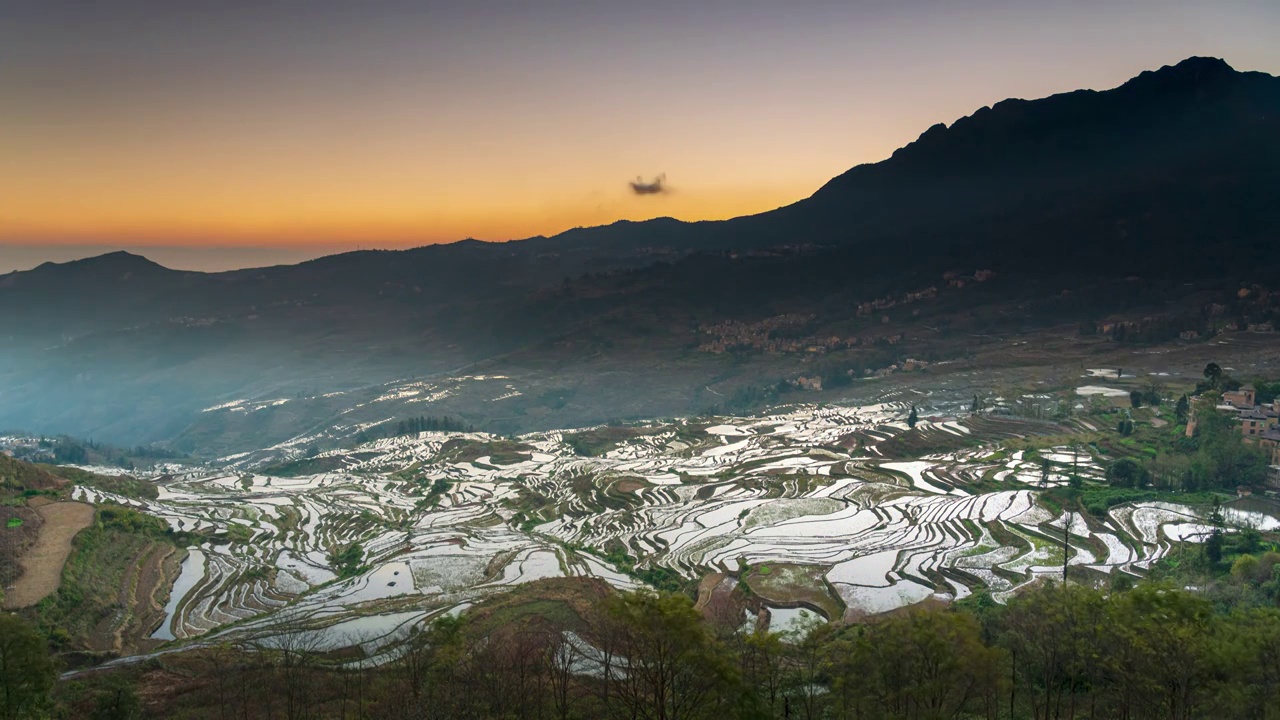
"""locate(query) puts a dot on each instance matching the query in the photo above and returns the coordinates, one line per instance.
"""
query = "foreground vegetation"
(1199, 639)
(1052, 652)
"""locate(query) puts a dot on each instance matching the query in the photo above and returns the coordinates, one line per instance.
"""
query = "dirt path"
(42, 565)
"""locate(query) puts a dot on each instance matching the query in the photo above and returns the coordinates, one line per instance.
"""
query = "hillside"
(1064, 200)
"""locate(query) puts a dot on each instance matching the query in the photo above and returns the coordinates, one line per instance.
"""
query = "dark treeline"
(1151, 652)
(419, 424)
(413, 426)
(1050, 653)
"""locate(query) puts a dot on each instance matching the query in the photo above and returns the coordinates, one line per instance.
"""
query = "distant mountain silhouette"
(1175, 175)
(119, 263)
(1168, 160)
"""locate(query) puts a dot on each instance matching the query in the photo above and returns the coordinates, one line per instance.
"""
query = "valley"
(988, 427)
(840, 510)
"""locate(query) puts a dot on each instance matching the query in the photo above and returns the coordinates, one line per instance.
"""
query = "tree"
(1153, 393)
(1245, 568)
(1267, 391)
(1126, 473)
(913, 418)
(1170, 471)
(761, 657)
(1135, 398)
(561, 657)
(1162, 654)
(119, 702)
(1183, 409)
(347, 561)
(1212, 373)
(1255, 636)
(430, 669)
(287, 652)
(1224, 459)
(674, 669)
(26, 670)
(1213, 546)
(921, 664)
(1125, 427)
(1053, 633)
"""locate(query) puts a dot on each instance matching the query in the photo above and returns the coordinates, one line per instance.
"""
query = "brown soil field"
(16, 539)
(630, 485)
(42, 565)
(706, 587)
(789, 585)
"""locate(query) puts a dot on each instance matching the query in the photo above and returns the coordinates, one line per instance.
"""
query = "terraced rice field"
(786, 490)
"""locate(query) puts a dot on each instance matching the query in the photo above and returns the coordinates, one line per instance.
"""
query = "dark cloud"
(657, 187)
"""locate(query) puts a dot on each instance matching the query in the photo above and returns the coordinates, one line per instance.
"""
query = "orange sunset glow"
(272, 127)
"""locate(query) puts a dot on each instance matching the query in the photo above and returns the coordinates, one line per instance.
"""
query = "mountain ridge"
(1195, 79)
(1173, 174)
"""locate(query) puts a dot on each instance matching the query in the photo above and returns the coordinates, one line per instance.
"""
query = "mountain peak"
(1191, 74)
(1059, 130)
(119, 264)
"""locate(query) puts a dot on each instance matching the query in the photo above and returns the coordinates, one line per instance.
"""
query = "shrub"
(1245, 568)
(127, 520)
(347, 561)
(1127, 473)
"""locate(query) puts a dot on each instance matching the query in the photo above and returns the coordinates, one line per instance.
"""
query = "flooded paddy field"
(397, 531)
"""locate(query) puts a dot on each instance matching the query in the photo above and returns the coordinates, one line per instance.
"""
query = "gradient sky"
(303, 127)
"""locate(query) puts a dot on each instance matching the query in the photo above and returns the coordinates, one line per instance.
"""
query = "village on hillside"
(1258, 423)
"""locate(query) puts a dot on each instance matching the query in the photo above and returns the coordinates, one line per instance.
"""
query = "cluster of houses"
(1258, 423)
(780, 333)
(20, 446)
(884, 303)
(777, 334)
(957, 280)
(905, 366)
(815, 382)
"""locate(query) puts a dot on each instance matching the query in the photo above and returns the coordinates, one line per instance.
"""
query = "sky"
(215, 134)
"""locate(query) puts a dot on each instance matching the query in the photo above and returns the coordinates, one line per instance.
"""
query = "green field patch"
(1098, 500)
(597, 442)
(560, 602)
(787, 585)
(788, 508)
(305, 466)
(499, 452)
